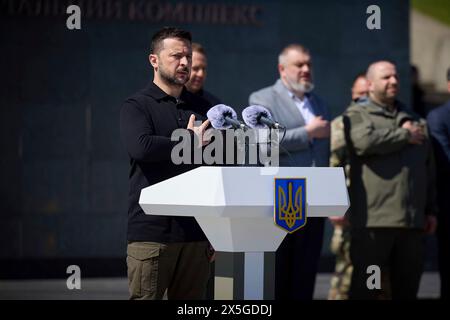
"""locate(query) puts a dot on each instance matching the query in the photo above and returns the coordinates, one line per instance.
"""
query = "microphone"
(259, 117)
(224, 117)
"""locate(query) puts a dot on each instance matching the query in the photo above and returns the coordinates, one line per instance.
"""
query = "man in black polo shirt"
(163, 253)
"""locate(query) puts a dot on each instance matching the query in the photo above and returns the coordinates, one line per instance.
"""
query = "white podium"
(234, 206)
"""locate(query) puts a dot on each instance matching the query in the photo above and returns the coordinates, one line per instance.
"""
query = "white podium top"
(235, 205)
(243, 192)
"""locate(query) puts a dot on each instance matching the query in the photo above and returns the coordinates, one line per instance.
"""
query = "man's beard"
(386, 96)
(381, 97)
(301, 87)
(172, 79)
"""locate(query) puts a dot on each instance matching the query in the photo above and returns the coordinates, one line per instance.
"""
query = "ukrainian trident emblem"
(290, 203)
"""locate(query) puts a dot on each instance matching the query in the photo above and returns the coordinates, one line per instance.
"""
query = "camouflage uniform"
(341, 279)
(340, 242)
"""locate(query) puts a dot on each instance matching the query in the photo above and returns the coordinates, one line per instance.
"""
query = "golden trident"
(292, 212)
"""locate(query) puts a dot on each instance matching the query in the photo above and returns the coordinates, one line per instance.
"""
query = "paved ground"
(116, 288)
(429, 286)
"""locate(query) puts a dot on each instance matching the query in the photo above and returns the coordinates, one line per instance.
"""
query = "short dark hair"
(197, 47)
(165, 33)
(448, 74)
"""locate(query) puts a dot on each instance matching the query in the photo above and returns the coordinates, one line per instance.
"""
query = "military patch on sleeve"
(355, 118)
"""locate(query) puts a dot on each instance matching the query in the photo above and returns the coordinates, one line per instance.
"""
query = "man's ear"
(370, 85)
(153, 59)
(281, 70)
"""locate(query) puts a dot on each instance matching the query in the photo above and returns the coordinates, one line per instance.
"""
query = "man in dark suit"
(306, 144)
(197, 79)
(439, 124)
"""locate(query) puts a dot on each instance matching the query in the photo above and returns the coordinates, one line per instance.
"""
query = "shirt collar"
(156, 92)
(382, 105)
(385, 110)
(295, 97)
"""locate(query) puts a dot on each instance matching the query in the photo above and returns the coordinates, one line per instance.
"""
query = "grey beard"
(301, 87)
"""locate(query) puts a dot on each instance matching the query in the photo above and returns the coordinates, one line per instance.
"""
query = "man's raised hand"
(199, 132)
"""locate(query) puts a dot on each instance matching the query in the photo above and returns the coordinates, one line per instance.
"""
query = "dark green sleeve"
(367, 140)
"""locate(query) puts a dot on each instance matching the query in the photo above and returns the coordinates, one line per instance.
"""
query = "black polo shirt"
(147, 120)
(210, 98)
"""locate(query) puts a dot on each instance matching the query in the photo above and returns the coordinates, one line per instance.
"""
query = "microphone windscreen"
(252, 114)
(216, 115)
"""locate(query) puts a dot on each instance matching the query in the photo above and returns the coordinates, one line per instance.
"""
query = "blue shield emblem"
(290, 203)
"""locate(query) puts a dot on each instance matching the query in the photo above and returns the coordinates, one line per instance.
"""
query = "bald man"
(360, 87)
(340, 241)
(359, 91)
(391, 191)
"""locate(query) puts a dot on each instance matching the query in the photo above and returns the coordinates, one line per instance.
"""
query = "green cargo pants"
(180, 270)
(398, 252)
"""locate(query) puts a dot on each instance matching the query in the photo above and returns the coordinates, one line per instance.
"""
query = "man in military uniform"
(340, 242)
(392, 189)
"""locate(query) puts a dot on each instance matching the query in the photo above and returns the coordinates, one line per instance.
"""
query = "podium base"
(244, 276)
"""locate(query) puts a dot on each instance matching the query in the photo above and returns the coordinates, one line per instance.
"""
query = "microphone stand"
(246, 159)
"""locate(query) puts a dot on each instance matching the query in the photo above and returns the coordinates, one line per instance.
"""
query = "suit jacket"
(439, 125)
(303, 152)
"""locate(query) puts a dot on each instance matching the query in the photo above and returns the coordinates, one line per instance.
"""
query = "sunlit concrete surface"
(117, 288)
(429, 286)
